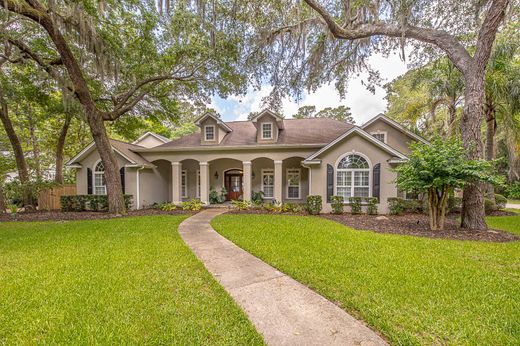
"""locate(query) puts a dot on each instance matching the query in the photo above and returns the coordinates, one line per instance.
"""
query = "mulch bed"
(418, 225)
(84, 215)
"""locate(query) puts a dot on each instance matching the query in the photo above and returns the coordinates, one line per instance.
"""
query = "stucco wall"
(149, 142)
(358, 144)
(395, 138)
(266, 118)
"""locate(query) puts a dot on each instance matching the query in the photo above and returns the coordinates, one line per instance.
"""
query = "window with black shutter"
(89, 181)
(330, 183)
(376, 181)
(122, 174)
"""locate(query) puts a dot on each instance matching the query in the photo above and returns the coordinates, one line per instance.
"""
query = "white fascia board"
(161, 138)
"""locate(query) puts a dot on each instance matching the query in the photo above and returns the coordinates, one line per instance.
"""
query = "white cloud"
(362, 102)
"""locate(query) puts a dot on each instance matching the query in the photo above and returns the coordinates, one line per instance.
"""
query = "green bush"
(412, 205)
(337, 204)
(257, 197)
(273, 207)
(395, 205)
(89, 202)
(355, 205)
(292, 208)
(241, 205)
(166, 206)
(500, 201)
(193, 205)
(513, 191)
(314, 204)
(489, 206)
(454, 204)
(372, 205)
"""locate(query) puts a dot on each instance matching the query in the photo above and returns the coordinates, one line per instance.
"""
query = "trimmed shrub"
(89, 202)
(314, 204)
(489, 206)
(337, 204)
(513, 191)
(355, 205)
(500, 201)
(395, 205)
(372, 205)
(241, 205)
(193, 205)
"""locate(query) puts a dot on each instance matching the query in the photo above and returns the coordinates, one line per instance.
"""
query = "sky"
(363, 104)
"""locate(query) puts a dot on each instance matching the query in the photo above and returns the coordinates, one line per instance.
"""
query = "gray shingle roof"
(296, 131)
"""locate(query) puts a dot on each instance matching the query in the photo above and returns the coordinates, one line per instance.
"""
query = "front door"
(233, 183)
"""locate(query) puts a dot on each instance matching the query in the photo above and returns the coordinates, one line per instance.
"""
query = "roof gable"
(144, 136)
(363, 134)
(219, 121)
(395, 125)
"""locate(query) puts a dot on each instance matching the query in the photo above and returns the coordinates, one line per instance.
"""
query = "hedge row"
(89, 202)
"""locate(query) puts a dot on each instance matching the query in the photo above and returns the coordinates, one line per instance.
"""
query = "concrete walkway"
(284, 311)
(513, 206)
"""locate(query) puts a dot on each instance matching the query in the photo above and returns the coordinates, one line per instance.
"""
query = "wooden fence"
(49, 199)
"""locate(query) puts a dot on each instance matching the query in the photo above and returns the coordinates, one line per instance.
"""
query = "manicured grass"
(414, 290)
(119, 281)
(513, 201)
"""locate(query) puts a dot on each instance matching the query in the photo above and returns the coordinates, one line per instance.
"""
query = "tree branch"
(449, 44)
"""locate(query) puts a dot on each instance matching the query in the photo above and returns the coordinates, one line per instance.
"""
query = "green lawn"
(119, 281)
(513, 201)
(414, 290)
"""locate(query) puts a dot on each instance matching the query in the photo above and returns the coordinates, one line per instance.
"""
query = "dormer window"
(209, 132)
(267, 131)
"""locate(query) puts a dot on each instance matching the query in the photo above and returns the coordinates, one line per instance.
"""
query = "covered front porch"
(284, 180)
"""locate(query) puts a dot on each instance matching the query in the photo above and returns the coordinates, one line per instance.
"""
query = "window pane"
(361, 191)
(344, 191)
(267, 130)
(361, 178)
(293, 192)
(268, 184)
(352, 161)
(210, 133)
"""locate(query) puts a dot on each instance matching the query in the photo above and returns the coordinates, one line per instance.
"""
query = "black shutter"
(376, 181)
(122, 174)
(89, 181)
(330, 182)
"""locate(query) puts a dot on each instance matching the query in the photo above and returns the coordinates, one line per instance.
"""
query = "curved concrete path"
(284, 311)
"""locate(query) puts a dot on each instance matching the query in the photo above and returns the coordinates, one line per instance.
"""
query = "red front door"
(233, 183)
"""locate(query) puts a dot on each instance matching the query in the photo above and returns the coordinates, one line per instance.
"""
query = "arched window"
(353, 177)
(100, 185)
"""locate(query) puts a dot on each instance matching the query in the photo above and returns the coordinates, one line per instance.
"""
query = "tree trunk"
(472, 215)
(2, 199)
(116, 202)
(452, 109)
(21, 164)
(58, 178)
(34, 143)
(490, 142)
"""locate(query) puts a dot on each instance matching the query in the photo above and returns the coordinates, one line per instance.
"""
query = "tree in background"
(341, 113)
(437, 169)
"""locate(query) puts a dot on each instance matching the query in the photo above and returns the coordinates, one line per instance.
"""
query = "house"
(287, 159)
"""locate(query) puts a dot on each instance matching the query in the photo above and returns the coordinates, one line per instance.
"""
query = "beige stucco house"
(287, 159)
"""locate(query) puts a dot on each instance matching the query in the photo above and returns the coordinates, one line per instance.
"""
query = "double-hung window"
(184, 184)
(353, 177)
(268, 183)
(293, 183)
(267, 131)
(380, 136)
(209, 132)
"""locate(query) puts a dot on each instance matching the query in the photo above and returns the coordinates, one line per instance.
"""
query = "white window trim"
(268, 171)
(262, 130)
(369, 169)
(384, 133)
(184, 173)
(206, 133)
(299, 182)
(197, 193)
(94, 173)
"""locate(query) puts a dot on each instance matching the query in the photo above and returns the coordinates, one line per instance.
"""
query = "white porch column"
(176, 182)
(247, 171)
(278, 181)
(204, 182)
